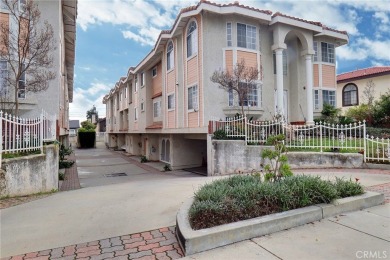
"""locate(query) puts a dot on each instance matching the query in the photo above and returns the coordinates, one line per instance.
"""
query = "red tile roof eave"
(324, 27)
(383, 73)
(364, 73)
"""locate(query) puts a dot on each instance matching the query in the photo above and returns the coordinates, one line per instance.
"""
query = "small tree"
(87, 126)
(26, 44)
(91, 112)
(369, 92)
(381, 110)
(277, 168)
(241, 80)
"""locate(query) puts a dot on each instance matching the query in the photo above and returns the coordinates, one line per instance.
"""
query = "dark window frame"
(344, 103)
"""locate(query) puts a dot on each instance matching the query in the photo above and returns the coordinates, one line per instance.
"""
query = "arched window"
(350, 95)
(192, 39)
(170, 56)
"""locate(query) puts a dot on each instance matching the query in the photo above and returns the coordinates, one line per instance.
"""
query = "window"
(170, 62)
(192, 39)
(135, 114)
(117, 101)
(120, 96)
(136, 83)
(246, 36)
(157, 109)
(22, 5)
(350, 95)
(251, 99)
(229, 34)
(171, 101)
(154, 72)
(3, 77)
(125, 92)
(327, 51)
(284, 62)
(142, 79)
(316, 99)
(231, 97)
(22, 83)
(142, 106)
(315, 47)
(193, 97)
(329, 97)
(130, 93)
(3, 5)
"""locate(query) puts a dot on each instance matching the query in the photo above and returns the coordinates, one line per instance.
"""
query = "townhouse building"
(61, 15)
(162, 107)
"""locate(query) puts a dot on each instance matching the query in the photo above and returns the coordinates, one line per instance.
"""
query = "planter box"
(195, 241)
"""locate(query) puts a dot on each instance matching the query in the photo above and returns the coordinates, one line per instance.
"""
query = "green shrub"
(381, 110)
(65, 164)
(378, 132)
(144, 159)
(245, 196)
(359, 113)
(219, 135)
(167, 167)
(61, 176)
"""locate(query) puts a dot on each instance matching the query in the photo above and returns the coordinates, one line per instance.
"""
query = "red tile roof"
(309, 22)
(363, 73)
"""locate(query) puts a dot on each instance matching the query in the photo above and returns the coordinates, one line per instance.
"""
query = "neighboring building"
(350, 85)
(61, 14)
(101, 125)
(162, 107)
(74, 126)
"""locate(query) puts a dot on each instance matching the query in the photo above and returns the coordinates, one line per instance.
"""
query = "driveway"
(105, 207)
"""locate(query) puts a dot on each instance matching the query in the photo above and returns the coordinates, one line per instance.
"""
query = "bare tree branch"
(241, 80)
(26, 44)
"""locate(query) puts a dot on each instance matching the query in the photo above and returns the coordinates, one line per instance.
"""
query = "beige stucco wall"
(382, 85)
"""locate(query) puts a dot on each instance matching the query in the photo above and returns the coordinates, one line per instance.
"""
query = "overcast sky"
(113, 35)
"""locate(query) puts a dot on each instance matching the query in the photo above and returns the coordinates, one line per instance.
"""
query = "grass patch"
(246, 196)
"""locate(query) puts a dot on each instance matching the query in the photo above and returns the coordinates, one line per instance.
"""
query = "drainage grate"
(118, 174)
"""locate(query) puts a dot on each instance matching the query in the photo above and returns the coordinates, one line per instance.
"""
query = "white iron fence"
(25, 134)
(322, 137)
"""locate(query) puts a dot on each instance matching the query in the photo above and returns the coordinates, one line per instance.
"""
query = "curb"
(196, 241)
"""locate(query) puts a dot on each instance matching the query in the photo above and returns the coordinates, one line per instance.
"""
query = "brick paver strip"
(71, 181)
(155, 244)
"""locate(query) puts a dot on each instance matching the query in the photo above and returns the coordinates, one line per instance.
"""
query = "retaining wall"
(233, 156)
(30, 174)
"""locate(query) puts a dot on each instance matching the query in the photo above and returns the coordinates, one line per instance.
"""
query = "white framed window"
(231, 97)
(22, 5)
(350, 95)
(157, 109)
(246, 36)
(252, 96)
(22, 84)
(142, 79)
(130, 92)
(136, 83)
(3, 5)
(171, 101)
(142, 106)
(3, 77)
(284, 53)
(125, 90)
(135, 114)
(170, 56)
(329, 97)
(316, 99)
(192, 39)
(120, 96)
(327, 52)
(154, 72)
(117, 101)
(315, 47)
(193, 98)
(229, 34)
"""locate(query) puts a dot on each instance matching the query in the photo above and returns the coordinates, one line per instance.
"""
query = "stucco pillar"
(309, 89)
(279, 82)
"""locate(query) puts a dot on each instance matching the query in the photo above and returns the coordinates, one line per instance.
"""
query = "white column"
(279, 82)
(309, 89)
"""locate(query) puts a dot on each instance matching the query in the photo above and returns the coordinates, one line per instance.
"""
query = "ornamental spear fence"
(25, 134)
(322, 137)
